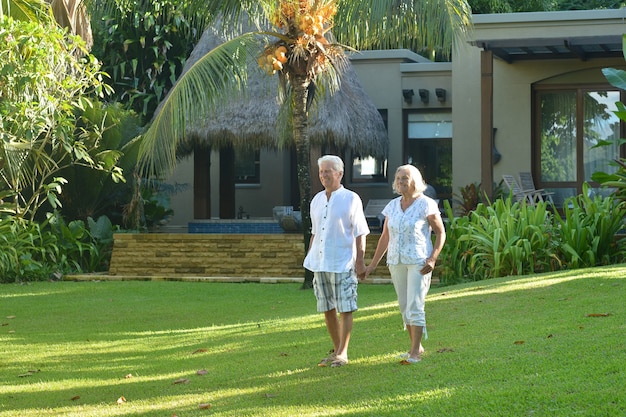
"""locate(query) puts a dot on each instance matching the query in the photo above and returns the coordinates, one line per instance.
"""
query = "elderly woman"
(411, 256)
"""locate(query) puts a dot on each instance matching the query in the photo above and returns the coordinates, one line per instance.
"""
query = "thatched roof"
(346, 119)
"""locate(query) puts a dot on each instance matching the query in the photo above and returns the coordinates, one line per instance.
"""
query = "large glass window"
(600, 124)
(429, 148)
(571, 122)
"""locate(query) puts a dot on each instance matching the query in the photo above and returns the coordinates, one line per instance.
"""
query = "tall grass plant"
(513, 238)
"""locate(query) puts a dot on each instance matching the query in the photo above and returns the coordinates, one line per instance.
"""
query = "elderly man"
(336, 254)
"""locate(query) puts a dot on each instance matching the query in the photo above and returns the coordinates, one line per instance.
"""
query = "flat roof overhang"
(583, 48)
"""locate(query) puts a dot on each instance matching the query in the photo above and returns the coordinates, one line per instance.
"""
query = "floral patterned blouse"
(410, 240)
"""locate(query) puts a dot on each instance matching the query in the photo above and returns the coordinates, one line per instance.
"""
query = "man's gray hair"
(334, 160)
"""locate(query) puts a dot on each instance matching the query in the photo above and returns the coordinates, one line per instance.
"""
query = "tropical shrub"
(587, 231)
(505, 238)
(93, 193)
(144, 47)
(469, 196)
(82, 247)
(48, 81)
(26, 251)
(508, 238)
(31, 251)
(617, 179)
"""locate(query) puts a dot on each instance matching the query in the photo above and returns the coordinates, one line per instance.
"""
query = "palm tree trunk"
(300, 85)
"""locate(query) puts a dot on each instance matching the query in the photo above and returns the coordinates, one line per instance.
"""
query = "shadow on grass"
(508, 346)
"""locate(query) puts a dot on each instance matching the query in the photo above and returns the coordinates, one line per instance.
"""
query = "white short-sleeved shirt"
(336, 223)
(409, 231)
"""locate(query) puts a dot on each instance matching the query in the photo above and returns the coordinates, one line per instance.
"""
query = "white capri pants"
(411, 288)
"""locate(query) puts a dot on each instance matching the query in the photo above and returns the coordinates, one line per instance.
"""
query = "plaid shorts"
(335, 291)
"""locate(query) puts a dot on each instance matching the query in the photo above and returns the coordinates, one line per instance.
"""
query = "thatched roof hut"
(346, 119)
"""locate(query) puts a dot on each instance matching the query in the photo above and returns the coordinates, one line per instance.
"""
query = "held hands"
(368, 270)
(361, 270)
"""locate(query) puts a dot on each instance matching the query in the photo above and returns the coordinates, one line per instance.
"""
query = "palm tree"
(302, 52)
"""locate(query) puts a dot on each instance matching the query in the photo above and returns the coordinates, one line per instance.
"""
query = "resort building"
(524, 93)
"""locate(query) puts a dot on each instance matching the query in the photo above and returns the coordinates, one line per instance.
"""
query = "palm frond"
(29, 10)
(12, 158)
(411, 24)
(198, 92)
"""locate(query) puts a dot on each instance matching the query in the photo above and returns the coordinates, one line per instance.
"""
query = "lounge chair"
(530, 197)
(527, 183)
(373, 211)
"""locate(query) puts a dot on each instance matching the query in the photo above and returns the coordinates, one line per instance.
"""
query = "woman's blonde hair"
(416, 179)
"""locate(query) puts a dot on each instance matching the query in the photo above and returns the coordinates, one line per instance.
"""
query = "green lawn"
(546, 345)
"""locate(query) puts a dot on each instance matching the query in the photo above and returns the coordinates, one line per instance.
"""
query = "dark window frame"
(248, 179)
(405, 144)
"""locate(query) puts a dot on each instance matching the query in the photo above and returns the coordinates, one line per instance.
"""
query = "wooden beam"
(227, 183)
(202, 183)
(486, 122)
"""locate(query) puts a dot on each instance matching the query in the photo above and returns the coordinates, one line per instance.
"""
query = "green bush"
(586, 233)
(508, 238)
(83, 248)
(25, 250)
(143, 47)
(505, 238)
(30, 251)
(47, 82)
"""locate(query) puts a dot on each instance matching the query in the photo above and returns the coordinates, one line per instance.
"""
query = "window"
(429, 148)
(366, 168)
(569, 122)
(247, 166)
(369, 169)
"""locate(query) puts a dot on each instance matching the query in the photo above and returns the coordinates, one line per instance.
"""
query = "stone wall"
(215, 255)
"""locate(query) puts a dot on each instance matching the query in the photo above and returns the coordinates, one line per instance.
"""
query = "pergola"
(583, 48)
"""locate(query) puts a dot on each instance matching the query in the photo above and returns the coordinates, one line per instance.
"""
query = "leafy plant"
(586, 234)
(48, 81)
(30, 251)
(471, 195)
(82, 248)
(25, 250)
(156, 205)
(144, 46)
(92, 193)
(509, 238)
(504, 238)
(616, 180)
(467, 199)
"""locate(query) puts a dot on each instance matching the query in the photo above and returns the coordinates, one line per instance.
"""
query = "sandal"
(409, 361)
(329, 359)
(338, 362)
